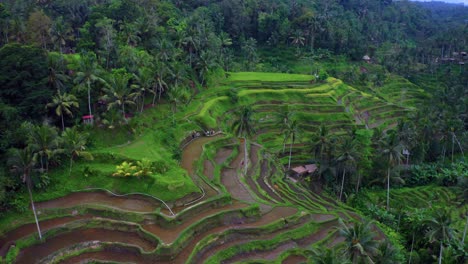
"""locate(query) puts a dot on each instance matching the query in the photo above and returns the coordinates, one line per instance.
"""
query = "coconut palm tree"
(359, 241)
(391, 150)
(328, 256)
(177, 95)
(283, 117)
(88, 74)
(322, 142)
(74, 144)
(44, 141)
(440, 229)
(347, 156)
(387, 254)
(119, 93)
(63, 104)
(147, 82)
(243, 127)
(22, 162)
(292, 131)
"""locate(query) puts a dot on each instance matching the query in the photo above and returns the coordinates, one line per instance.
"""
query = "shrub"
(126, 169)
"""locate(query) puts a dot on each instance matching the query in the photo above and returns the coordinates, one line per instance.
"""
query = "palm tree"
(322, 142)
(44, 141)
(161, 73)
(328, 256)
(297, 39)
(387, 254)
(56, 77)
(347, 155)
(359, 241)
(119, 93)
(74, 144)
(63, 103)
(206, 61)
(243, 127)
(88, 74)
(440, 229)
(283, 117)
(177, 95)
(292, 130)
(22, 162)
(391, 149)
(147, 82)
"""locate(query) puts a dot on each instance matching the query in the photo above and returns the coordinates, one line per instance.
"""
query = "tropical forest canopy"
(81, 78)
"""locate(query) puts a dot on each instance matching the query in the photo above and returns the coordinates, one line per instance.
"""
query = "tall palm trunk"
(388, 188)
(440, 253)
(71, 164)
(464, 231)
(358, 182)
(63, 123)
(411, 251)
(89, 103)
(245, 156)
(290, 154)
(28, 184)
(342, 183)
(453, 144)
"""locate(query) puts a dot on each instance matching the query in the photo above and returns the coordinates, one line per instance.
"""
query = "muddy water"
(275, 214)
(191, 153)
(108, 256)
(169, 235)
(263, 175)
(230, 178)
(134, 203)
(251, 173)
(37, 252)
(25, 230)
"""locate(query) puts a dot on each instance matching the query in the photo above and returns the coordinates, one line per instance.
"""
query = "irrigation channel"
(246, 210)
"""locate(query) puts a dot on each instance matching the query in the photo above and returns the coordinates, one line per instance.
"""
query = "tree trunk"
(440, 253)
(342, 183)
(358, 182)
(89, 103)
(142, 103)
(63, 123)
(245, 156)
(411, 251)
(290, 154)
(71, 164)
(123, 110)
(453, 144)
(388, 188)
(464, 231)
(154, 97)
(33, 207)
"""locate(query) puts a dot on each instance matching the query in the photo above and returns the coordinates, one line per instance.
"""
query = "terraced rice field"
(247, 211)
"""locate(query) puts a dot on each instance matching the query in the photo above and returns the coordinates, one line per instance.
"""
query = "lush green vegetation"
(108, 94)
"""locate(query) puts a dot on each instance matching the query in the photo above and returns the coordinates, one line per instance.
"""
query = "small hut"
(88, 119)
(366, 58)
(303, 170)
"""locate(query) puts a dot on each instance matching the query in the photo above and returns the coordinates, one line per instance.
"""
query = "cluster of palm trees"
(358, 152)
(118, 89)
(45, 146)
